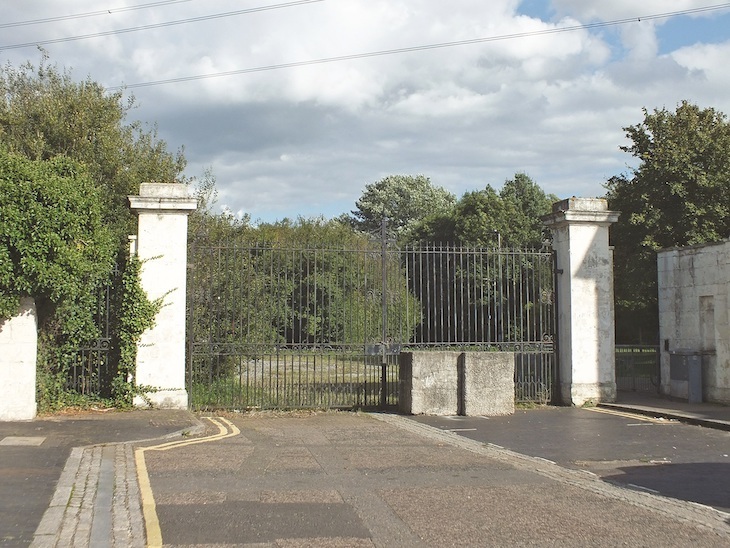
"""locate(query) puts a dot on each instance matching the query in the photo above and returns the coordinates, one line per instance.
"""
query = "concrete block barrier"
(456, 383)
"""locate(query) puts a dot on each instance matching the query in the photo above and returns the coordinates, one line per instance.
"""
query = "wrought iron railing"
(288, 325)
(92, 370)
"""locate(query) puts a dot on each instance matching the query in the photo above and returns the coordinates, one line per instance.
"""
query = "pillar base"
(163, 399)
(588, 393)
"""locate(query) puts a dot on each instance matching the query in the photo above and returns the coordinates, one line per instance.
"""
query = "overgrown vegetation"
(135, 313)
(55, 245)
(68, 161)
(55, 248)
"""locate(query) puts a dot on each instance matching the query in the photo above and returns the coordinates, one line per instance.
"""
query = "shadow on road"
(705, 482)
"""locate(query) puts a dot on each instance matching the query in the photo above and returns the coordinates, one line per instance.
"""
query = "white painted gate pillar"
(586, 328)
(163, 210)
(18, 353)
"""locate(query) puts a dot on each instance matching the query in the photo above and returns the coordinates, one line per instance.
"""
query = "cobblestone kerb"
(97, 500)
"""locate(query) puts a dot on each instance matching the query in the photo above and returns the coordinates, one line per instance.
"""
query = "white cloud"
(306, 140)
(709, 64)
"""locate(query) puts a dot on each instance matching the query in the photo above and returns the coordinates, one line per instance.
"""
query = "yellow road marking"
(226, 429)
(627, 415)
(151, 522)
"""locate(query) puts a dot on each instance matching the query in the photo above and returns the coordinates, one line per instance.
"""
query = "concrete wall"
(457, 383)
(694, 312)
(18, 352)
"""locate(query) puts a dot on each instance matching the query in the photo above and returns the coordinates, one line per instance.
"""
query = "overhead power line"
(158, 25)
(90, 14)
(424, 47)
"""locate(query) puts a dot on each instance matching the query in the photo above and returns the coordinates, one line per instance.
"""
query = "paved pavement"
(41, 457)
(346, 479)
(643, 450)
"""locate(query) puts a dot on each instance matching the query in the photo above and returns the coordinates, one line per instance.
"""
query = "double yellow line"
(226, 429)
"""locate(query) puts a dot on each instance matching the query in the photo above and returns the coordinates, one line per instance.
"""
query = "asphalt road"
(685, 462)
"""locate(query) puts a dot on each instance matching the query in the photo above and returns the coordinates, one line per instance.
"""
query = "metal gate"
(284, 325)
(93, 367)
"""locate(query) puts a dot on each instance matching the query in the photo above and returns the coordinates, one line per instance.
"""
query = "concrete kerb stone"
(69, 518)
(689, 512)
(127, 520)
(716, 424)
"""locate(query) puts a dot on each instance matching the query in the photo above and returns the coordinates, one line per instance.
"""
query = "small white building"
(694, 314)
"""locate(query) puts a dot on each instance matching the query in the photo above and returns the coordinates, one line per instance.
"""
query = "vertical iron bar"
(384, 306)
(554, 320)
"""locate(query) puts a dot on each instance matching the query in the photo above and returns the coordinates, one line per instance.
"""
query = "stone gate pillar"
(163, 210)
(586, 330)
(18, 352)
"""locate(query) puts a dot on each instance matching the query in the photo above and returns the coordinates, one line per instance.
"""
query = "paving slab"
(321, 479)
(348, 479)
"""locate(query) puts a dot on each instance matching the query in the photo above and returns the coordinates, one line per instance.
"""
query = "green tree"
(678, 195)
(484, 219)
(45, 113)
(487, 218)
(404, 199)
(530, 202)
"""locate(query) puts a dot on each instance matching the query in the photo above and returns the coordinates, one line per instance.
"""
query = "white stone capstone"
(586, 331)
(163, 210)
(18, 353)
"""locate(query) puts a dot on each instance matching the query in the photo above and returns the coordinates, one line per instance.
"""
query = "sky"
(295, 106)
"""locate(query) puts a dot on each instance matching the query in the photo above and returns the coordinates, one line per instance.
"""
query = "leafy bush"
(53, 243)
(55, 248)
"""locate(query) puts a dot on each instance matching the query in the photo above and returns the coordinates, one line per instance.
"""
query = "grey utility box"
(685, 375)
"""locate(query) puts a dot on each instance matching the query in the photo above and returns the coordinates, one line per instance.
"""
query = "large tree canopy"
(45, 113)
(404, 199)
(679, 194)
(487, 218)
